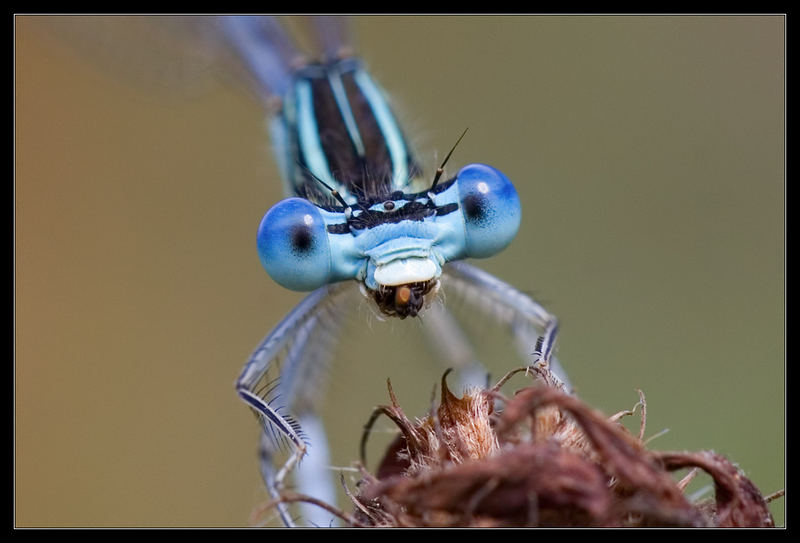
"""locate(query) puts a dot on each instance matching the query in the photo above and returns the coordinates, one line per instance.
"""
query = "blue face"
(395, 247)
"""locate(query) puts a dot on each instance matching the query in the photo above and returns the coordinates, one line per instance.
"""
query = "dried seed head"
(541, 458)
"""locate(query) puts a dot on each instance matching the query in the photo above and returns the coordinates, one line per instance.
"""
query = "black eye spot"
(388, 206)
(474, 207)
(302, 238)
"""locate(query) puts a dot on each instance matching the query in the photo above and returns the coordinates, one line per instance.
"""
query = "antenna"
(440, 170)
(335, 193)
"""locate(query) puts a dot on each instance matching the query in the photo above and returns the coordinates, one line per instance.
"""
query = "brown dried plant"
(539, 458)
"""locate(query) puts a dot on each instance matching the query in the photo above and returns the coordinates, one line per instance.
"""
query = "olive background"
(649, 155)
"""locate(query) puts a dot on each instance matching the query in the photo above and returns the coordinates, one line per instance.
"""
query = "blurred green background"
(649, 155)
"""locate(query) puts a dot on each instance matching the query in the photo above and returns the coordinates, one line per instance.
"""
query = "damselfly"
(360, 215)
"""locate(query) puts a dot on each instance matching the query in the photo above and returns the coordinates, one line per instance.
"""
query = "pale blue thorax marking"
(340, 96)
(389, 129)
(309, 135)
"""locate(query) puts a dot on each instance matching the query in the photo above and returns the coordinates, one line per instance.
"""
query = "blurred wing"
(186, 55)
(181, 55)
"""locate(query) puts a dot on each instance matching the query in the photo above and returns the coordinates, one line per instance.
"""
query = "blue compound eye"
(491, 209)
(293, 245)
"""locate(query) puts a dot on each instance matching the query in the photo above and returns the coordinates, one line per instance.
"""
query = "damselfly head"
(394, 244)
